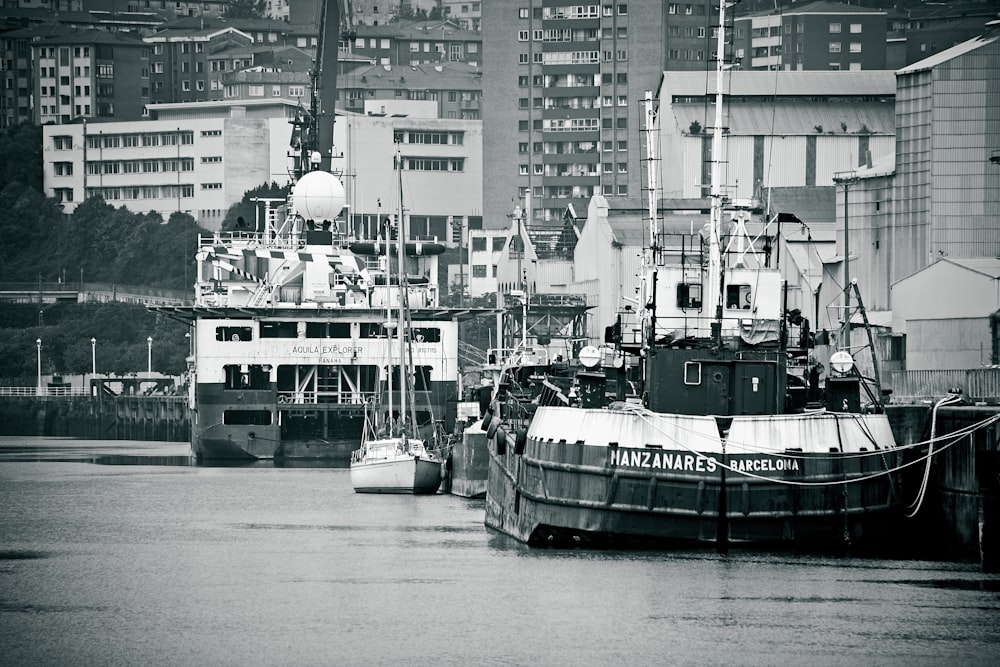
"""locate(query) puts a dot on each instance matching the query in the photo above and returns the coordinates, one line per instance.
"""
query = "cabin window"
(689, 296)
(278, 330)
(328, 329)
(247, 417)
(692, 372)
(426, 335)
(235, 334)
(738, 297)
(244, 376)
(369, 330)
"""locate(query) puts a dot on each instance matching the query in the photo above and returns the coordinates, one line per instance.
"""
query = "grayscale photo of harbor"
(507, 332)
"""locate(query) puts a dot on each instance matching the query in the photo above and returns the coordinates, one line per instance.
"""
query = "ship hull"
(403, 474)
(663, 483)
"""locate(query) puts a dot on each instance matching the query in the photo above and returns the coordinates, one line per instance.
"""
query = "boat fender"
(487, 420)
(501, 434)
(520, 440)
(501, 446)
(492, 430)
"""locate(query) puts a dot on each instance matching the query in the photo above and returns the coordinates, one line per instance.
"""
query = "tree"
(247, 208)
(22, 147)
(246, 9)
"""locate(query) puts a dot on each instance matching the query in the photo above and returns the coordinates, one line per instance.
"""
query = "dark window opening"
(689, 295)
(738, 296)
(328, 330)
(235, 334)
(426, 335)
(247, 417)
(279, 329)
(254, 376)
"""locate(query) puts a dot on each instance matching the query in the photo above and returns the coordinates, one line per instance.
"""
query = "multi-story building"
(456, 88)
(466, 13)
(202, 158)
(563, 82)
(423, 43)
(18, 78)
(182, 62)
(90, 74)
(169, 8)
(817, 36)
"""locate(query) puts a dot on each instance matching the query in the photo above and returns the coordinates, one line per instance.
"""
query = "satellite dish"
(842, 362)
(590, 356)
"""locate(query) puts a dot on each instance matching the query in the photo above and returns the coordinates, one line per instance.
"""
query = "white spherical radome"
(319, 195)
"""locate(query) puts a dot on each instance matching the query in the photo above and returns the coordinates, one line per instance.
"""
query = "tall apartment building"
(90, 74)
(817, 36)
(187, 65)
(562, 86)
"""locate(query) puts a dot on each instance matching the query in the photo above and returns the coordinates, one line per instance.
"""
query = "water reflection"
(31, 449)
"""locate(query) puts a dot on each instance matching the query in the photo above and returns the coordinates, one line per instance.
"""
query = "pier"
(98, 417)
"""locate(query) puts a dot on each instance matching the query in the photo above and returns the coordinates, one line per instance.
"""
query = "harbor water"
(126, 553)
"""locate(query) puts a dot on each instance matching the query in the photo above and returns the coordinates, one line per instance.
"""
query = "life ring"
(520, 440)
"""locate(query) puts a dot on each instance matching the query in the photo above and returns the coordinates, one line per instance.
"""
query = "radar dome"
(319, 195)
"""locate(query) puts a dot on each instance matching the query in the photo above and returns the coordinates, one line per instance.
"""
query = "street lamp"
(38, 344)
(93, 356)
(149, 354)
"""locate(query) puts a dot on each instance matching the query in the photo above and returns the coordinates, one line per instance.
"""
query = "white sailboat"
(399, 461)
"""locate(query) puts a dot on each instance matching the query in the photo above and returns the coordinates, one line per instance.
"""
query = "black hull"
(569, 494)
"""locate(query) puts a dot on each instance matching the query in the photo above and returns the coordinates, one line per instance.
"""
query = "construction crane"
(312, 136)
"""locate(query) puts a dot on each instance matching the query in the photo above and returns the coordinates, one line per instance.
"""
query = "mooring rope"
(914, 507)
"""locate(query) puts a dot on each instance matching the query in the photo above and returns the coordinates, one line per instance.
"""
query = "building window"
(522, 35)
(478, 270)
(834, 47)
(522, 58)
(834, 27)
(856, 28)
(855, 47)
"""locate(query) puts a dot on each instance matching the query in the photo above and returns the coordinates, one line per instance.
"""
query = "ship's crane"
(312, 136)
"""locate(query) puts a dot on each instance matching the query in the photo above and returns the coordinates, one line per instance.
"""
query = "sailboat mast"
(713, 288)
(401, 247)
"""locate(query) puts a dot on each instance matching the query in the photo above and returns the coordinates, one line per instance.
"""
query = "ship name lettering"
(644, 458)
(327, 349)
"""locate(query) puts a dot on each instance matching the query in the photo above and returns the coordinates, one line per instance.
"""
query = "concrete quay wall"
(153, 418)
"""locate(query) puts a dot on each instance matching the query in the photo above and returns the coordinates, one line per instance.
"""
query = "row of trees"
(119, 331)
(97, 243)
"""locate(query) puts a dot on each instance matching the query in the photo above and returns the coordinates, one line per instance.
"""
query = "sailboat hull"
(403, 473)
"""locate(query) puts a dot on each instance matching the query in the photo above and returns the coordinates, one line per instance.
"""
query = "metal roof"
(948, 54)
(819, 7)
(810, 204)
(811, 83)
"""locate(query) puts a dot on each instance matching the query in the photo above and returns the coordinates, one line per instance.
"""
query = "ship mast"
(713, 288)
(648, 296)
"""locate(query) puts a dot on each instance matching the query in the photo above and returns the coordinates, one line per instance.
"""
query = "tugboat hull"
(585, 492)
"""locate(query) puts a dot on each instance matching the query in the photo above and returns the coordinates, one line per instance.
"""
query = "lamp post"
(93, 356)
(149, 354)
(38, 344)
